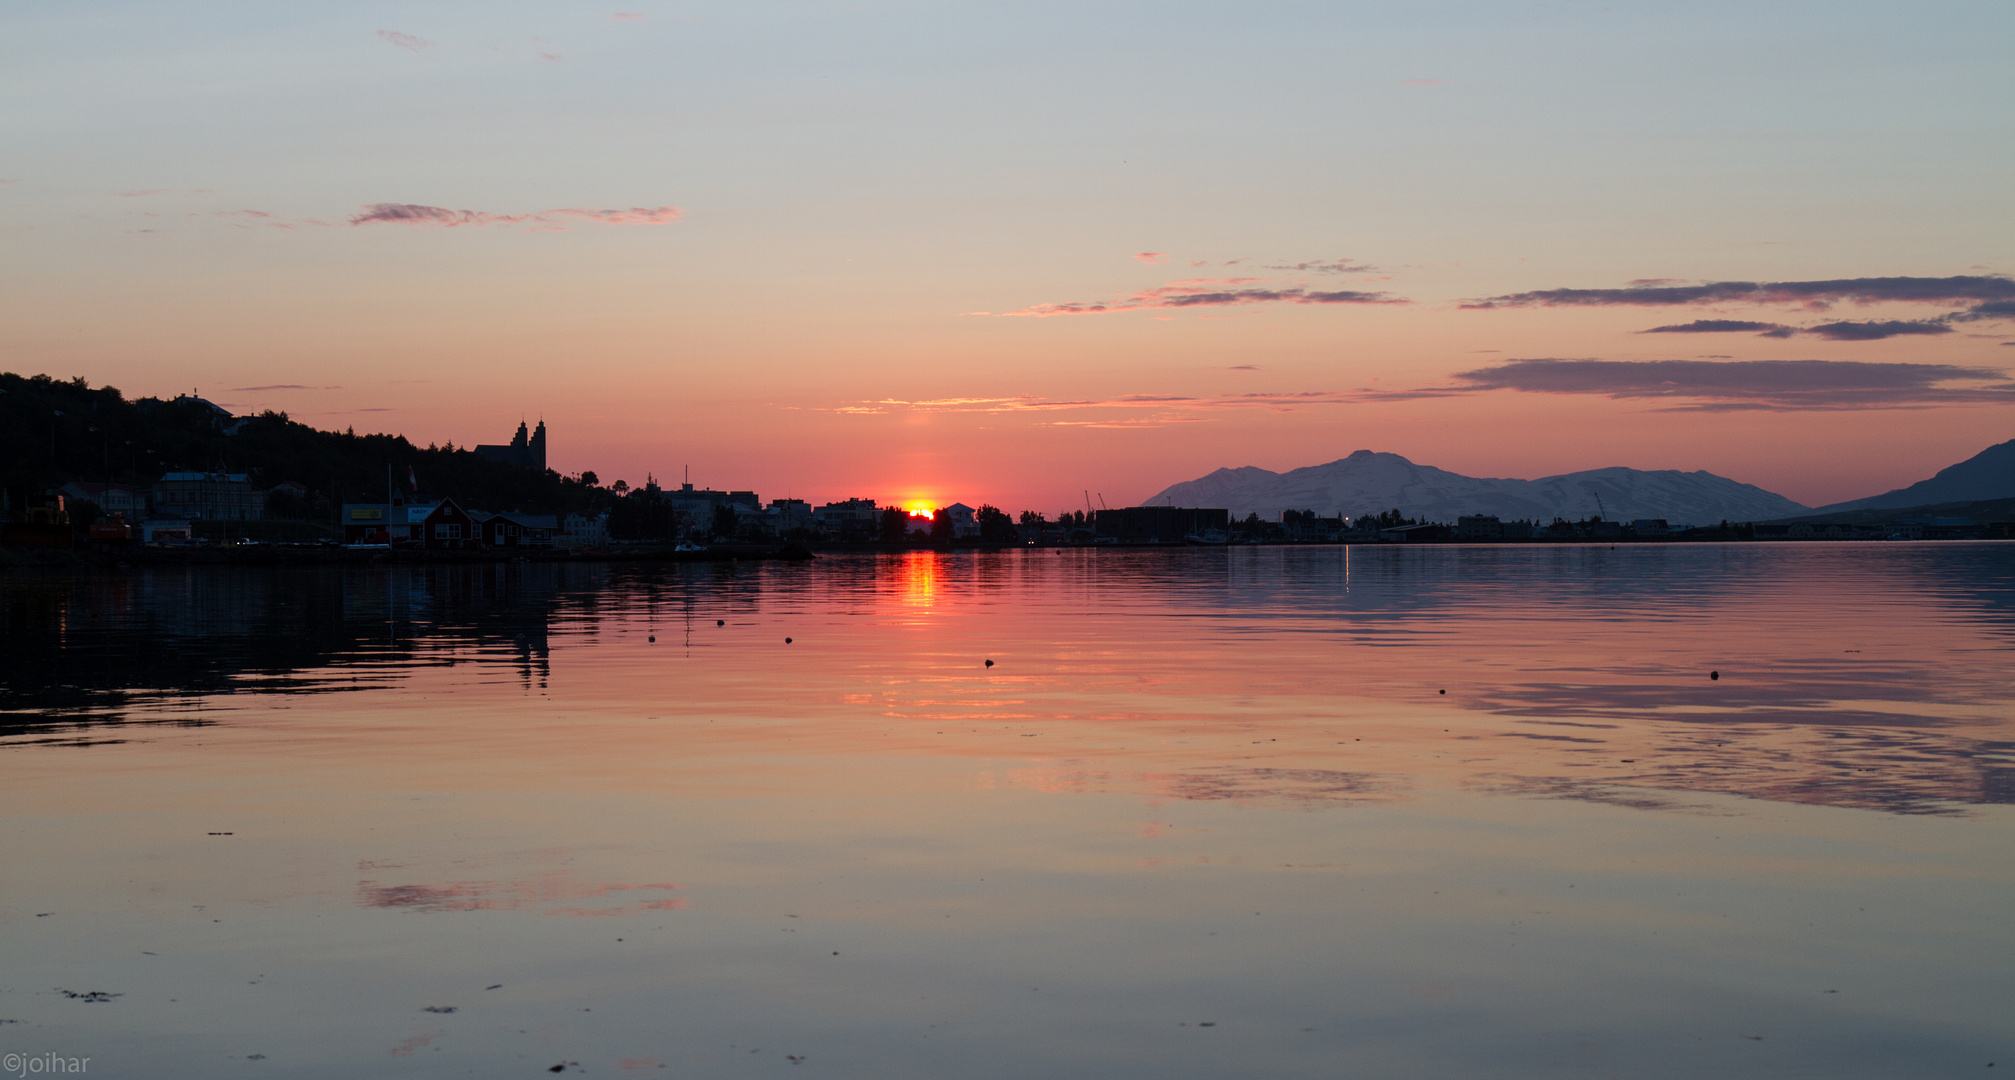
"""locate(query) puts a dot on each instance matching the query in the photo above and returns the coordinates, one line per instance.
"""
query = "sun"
(921, 508)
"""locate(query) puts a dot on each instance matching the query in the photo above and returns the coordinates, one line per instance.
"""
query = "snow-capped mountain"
(1367, 482)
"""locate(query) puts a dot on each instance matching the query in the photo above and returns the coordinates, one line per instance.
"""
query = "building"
(450, 528)
(1427, 532)
(527, 452)
(854, 519)
(515, 530)
(786, 516)
(208, 496)
(384, 523)
(581, 530)
(964, 519)
(1303, 526)
(1159, 524)
(161, 532)
(111, 498)
(700, 502)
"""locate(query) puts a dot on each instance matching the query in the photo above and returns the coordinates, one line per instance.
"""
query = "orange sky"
(752, 241)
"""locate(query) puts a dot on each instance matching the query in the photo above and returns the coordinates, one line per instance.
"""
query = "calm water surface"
(1475, 812)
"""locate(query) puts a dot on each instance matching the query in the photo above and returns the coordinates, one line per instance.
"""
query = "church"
(529, 452)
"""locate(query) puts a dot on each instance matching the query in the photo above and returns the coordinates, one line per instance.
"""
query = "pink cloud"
(1330, 266)
(544, 55)
(1206, 292)
(246, 219)
(1166, 407)
(626, 16)
(405, 41)
(1151, 257)
(415, 214)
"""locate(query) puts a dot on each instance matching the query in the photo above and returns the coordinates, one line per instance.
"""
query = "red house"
(450, 528)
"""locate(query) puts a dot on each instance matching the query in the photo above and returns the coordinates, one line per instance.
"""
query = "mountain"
(1989, 474)
(1367, 483)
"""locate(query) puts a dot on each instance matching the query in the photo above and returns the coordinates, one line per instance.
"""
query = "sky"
(1014, 253)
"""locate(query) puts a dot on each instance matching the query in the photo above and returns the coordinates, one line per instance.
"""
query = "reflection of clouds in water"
(1896, 770)
(1310, 788)
(549, 894)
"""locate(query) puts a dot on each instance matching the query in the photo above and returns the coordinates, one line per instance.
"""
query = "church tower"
(538, 457)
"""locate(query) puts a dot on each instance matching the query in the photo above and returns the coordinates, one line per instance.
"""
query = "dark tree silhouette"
(895, 524)
(995, 526)
(724, 522)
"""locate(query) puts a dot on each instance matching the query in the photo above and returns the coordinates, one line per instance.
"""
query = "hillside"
(1987, 475)
(1368, 482)
(53, 432)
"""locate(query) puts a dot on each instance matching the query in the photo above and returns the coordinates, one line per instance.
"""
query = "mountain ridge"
(1369, 481)
(1987, 475)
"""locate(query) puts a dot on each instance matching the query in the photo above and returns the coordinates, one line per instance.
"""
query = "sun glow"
(921, 508)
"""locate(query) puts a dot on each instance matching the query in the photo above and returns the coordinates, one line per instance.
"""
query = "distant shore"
(121, 557)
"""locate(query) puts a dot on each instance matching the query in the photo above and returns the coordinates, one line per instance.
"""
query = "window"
(447, 532)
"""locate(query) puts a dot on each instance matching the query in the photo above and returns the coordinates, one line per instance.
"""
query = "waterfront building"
(208, 496)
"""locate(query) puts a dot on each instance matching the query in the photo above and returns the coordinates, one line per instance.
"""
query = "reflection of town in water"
(1863, 676)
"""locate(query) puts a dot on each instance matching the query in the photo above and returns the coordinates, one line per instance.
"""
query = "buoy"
(654, 639)
(1715, 675)
(787, 641)
(990, 663)
(720, 622)
(1444, 691)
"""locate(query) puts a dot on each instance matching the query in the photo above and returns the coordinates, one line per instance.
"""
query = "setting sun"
(921, 508)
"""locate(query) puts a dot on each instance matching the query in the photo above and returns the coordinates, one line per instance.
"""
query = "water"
(1428, 812)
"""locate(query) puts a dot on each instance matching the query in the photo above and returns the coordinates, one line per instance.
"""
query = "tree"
(589, 478)
(995, 526)
(1033, 520)
(620, 486)
(724, 522)
(895, 524)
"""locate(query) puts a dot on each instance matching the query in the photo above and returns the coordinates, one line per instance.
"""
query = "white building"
(583, 530)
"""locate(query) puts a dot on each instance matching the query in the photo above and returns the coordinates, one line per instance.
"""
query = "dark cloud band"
(1833, 331)
(1987, 287)
(1778, 385)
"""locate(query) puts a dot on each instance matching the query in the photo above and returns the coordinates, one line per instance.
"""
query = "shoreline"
(133, 557)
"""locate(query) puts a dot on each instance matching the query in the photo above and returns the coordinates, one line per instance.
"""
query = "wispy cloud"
(279, 386)
(626, 16)
(1717, 386)
(1653, 292)
(405, 41)
(1131, 422)
(1723, 326)
(1877, 330)
(1221, 292)
(1151, 256)
(1874, 330)
(1331, 266)
(1167, 404)
(247, 219)
(442, 217)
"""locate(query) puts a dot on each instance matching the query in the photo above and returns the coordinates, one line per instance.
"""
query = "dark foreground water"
(1450, 812)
